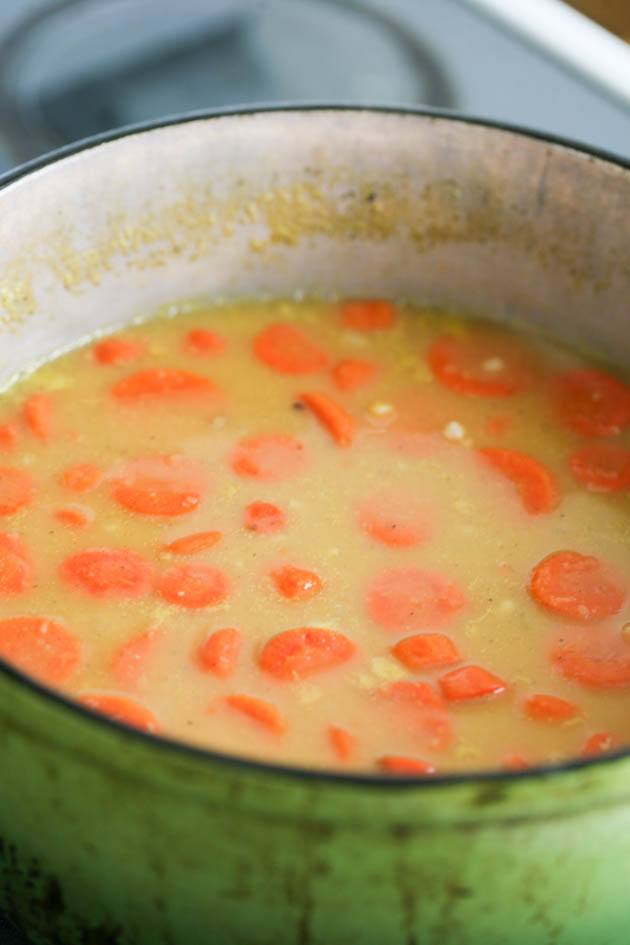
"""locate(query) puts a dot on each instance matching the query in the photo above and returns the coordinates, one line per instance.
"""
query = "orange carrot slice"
(41, 647)
(395, 520)
(75, 516)
(576, 586)
(402, 766)
(428, 708)
(535, 484)
(131, 660)
(353, 373)
(602, 467)
(296, 583)
(331, 415)
(193, 586)
(265, 518)
(343, 744)
(163, 383)
(269, 457)
(591, 402)
(8, 436)
(193, 544)
(16, 490)
(413, 599)
(419, 695)
(121, 709)
(544, 708)
(296, 654)
(117, 350)
(480, 366)
(368, 314)
(426, 651)
(218, 654)
(595, 664)
(203, 342)
(83, 477)
(288, 350)
(470, 682)
(260, 711)
(164, 486)
(597, 744)
(16, 570)
(114, 573)
(38, 416)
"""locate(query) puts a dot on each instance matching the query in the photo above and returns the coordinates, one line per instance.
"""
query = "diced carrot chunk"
(395, 520)
(353, 373)
(295, 654)
(16, 490)
(265, 518)
(602, 467)
(426, 651)
(577, 586)
(332, 416)
(8, 436)
(592, 663)
(296, 583)
(534, 483)
(121, 709)
(194, 586)
(218, 654)
(83, 477)
(342, 742)
(203, 342)
(412, 693)
(260, 711)
(163, 383)
(288, 350)
(16, 570)
(117, 350)
(368, 314)
(478, 366)
(269, 457)
(591, 402)
(164, 486)
(598, 744)
(75, 516)
(544, 708)
(108, 573)
(412, 599)
(193, 544)
(131, 660)
(470, 682)
(427, 705)
(38, 416)
(399, 765)
(41, 647)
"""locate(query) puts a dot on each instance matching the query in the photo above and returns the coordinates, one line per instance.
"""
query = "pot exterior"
(110, 838)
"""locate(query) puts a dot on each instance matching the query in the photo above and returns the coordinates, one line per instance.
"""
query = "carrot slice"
(480, 365)
(264, 518)
(75, 516)
(395, 520)
(219, 653)
(163, 383)
(430, 715)
(368, 314)
(193, 586)
(83, 477)
(114, 573)
(260, 711)
(602, 467)
(412, 599)
(121, 709)
(576, 586)
(353, 373)
(534, 482)
(399, 765)
(343, 744)
(296, 583)
(117, 350)
(288, 350)
(131, 660)
(591, 402)
(269, 457)
(470, 682)
(296, 654)
(331, 415)
(164, 486)
(16, 490)
(592, 663)
(193, 544)
(597, 744)
(204, 342)
(38, 416)
(419, 695)
(543, 708)
(515, 763)
(16, 570)
(8, 436)
(426, 651)
(43, 648)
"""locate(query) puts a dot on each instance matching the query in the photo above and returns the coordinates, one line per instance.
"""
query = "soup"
(353, 535)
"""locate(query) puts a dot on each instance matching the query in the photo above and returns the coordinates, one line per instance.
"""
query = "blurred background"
(70, 68)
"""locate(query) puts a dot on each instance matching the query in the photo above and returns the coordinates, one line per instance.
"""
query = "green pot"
(110, 837)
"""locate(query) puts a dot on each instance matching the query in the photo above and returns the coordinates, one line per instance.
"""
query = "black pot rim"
(207, 756)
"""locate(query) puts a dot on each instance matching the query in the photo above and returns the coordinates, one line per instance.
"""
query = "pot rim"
(208, 756)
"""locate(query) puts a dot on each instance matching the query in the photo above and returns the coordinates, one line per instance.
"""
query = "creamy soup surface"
(353, 535)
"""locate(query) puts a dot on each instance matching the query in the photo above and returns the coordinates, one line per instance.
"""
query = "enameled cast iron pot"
(108, 837)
